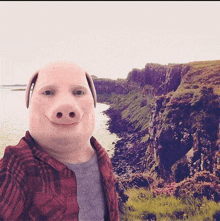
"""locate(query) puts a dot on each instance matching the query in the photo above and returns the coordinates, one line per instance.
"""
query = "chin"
(52, 136)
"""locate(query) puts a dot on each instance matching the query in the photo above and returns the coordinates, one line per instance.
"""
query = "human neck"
(70, 153)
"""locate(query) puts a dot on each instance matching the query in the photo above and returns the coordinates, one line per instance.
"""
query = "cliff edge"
(168, 119)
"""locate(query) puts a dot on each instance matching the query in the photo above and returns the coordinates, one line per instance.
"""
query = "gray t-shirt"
(90, 195)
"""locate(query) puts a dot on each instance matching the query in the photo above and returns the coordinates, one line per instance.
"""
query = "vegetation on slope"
(197, 198)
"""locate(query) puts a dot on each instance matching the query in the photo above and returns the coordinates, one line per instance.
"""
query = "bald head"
(60, 69)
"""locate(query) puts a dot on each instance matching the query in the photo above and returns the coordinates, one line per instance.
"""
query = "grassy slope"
(202, 74)
(142, 202)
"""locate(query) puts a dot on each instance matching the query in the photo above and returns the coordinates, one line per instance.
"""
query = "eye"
(48, 93)
(78, 92)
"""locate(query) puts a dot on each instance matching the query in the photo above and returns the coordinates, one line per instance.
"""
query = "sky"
(107, 38)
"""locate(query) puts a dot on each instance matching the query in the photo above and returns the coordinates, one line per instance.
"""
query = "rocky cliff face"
(163, 78)
(168, 118)
(184, 135)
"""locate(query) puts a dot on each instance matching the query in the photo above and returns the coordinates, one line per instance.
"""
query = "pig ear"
(28, 89)
(92, 88)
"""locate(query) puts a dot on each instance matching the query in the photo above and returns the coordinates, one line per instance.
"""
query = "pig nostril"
(59, 115)
(71, 114)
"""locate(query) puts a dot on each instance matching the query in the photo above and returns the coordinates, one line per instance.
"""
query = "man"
(58, 171)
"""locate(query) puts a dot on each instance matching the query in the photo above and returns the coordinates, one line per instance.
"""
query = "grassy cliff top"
(215, 64)
(201, 74)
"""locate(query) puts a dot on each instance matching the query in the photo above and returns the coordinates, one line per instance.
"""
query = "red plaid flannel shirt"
(35, 186)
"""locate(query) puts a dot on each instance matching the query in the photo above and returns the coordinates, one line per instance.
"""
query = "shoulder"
(13, 181)
(15, 158)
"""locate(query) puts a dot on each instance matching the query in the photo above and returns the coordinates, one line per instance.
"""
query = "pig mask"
(61, 113)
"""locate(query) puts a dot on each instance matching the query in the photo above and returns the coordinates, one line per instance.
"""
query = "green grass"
(142, 202)
(209, 64)
(202, 74)
(132, 110)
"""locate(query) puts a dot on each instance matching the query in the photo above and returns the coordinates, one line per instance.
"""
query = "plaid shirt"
(35, 186)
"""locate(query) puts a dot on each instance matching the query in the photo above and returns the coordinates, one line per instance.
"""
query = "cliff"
(105, 87)
(163, 78)
(168, 118)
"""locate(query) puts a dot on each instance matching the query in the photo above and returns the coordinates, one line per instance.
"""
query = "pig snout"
(65, 114)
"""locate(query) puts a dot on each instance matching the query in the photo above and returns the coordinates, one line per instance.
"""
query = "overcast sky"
(108, 39)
